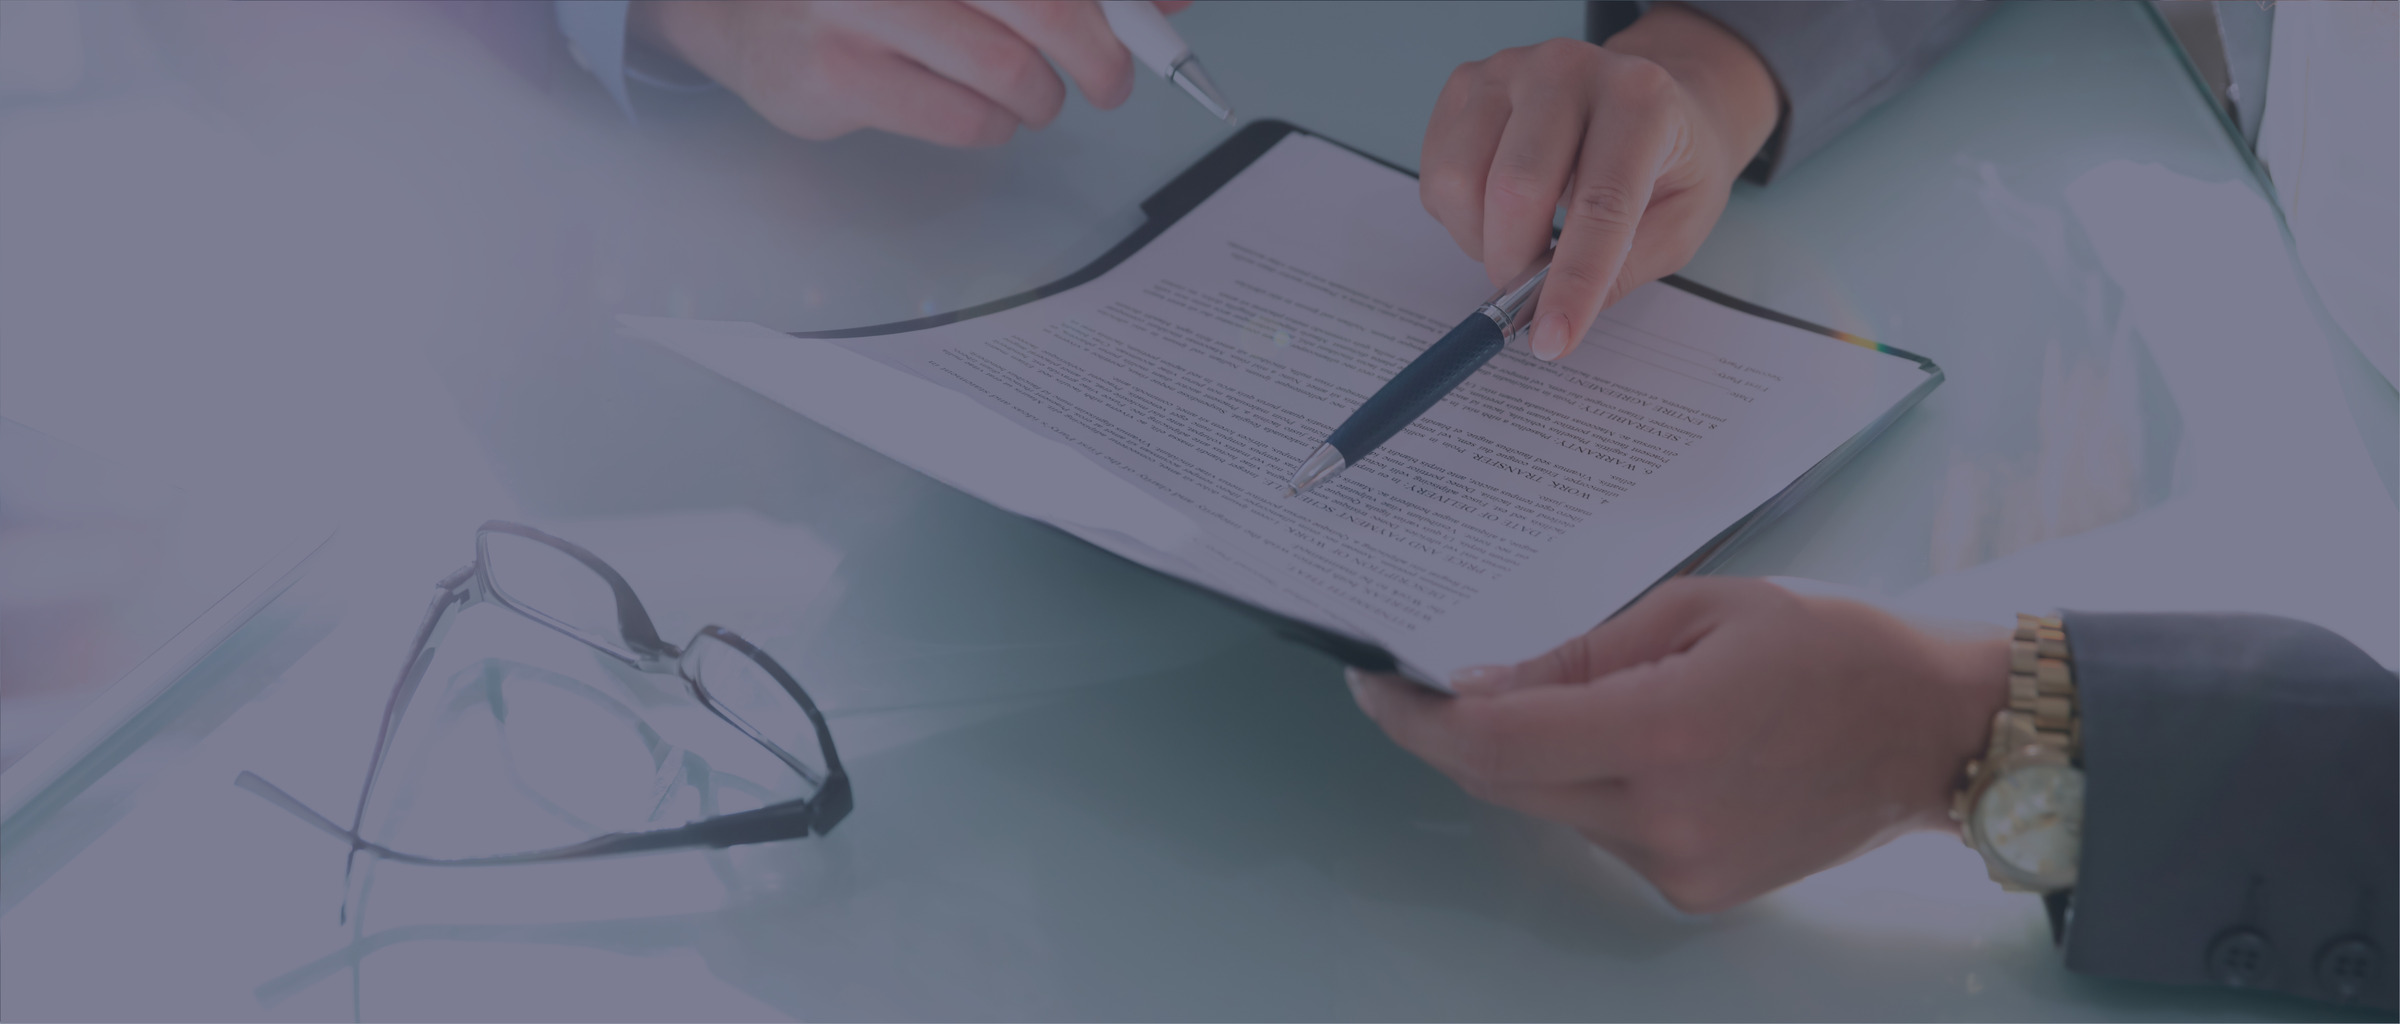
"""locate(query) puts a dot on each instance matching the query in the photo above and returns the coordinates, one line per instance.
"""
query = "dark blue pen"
(1417, 387)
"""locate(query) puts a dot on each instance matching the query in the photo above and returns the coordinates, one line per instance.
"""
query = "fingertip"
(1116, 77)
(1552, 337)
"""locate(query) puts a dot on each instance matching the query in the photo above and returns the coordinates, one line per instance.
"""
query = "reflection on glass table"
(114, 585)
(597, 764)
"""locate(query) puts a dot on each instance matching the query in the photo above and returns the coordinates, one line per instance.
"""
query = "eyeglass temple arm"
(455, 594)
(766, 824)
(789, 820)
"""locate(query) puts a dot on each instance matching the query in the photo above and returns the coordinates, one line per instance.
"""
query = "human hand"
(1723, 736)
(956, 73)
(1640, 140)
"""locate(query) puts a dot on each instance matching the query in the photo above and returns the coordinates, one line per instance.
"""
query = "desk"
(342, 255)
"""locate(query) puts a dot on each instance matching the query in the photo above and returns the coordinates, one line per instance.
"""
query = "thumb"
(1668, 620)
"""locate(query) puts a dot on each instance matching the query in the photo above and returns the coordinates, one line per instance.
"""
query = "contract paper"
(1159, 409)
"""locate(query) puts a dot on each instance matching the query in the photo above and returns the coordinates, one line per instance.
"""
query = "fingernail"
(1550, 337)
(1358, 686)
(1480, 679)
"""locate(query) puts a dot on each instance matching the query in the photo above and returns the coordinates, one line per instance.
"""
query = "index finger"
(1624, 150)
(962, 44)
(1545, 736)
(1076, 35)
(1668, 620)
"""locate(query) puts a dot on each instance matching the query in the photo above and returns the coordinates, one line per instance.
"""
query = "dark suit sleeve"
(1832, 61)
(2242, 806)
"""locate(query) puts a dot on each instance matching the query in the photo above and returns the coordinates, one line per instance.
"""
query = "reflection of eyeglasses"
(572, 591)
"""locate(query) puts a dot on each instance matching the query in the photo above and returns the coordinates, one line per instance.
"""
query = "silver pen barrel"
(1511, 308)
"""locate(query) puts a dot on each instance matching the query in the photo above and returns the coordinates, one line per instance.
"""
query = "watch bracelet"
(2041, 707)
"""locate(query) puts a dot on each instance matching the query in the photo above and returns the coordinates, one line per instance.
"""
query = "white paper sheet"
(1159, 409)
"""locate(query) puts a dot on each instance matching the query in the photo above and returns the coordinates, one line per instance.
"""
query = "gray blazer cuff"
(1835, 61)
(2242, 806)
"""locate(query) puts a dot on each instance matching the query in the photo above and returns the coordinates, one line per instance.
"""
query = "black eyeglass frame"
(641, 650)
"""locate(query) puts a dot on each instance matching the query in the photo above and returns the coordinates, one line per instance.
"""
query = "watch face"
(2031, 820)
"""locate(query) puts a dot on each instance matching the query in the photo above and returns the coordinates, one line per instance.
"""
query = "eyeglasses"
(572, 591)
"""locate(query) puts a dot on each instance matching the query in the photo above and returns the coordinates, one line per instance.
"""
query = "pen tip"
(1291, 492)
(1189, 76)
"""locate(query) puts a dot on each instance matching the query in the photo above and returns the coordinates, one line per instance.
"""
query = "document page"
(1528, 506)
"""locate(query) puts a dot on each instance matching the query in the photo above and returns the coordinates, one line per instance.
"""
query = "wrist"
(1971, 679)
(1726, 80)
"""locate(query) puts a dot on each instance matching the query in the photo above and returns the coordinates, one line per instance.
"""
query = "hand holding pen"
(953, 72)
(1638, 141)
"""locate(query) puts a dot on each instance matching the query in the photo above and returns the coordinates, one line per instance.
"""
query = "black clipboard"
(1232, 156)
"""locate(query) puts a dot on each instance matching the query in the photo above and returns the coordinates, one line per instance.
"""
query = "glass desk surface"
(353, 254)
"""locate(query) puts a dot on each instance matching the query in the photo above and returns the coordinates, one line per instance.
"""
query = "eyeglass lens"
(508, 757)
(746, 692)
(552, 584)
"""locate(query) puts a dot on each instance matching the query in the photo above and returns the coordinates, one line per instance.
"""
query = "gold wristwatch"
(2020, 805)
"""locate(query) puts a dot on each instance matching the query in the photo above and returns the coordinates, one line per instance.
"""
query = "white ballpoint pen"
(1139, 25)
